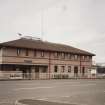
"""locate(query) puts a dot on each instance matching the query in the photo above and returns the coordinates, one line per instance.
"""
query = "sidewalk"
(38, 102)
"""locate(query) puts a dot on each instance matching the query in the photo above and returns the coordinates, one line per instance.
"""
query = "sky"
(78, 23)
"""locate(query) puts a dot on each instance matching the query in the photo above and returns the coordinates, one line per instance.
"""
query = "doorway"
(83, 71)
(37, 72)
(76, 71)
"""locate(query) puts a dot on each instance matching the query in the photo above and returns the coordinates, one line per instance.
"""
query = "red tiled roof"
(42, 45)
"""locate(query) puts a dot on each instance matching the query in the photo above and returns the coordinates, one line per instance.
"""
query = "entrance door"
(26, 72)
(76, 71)
(83, 71)
(36, 72)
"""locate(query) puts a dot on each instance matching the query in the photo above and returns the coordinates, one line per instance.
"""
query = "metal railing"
(20, 75)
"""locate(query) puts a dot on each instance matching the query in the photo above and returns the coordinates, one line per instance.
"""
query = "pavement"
(76, 92)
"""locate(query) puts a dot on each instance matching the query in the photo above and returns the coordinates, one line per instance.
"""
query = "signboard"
(28, 61)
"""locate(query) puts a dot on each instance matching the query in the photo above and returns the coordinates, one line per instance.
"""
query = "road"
(79, 92)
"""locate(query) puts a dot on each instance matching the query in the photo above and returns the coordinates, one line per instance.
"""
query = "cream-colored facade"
(22, 63)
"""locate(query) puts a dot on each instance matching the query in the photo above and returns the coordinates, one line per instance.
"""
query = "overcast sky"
(79, 23)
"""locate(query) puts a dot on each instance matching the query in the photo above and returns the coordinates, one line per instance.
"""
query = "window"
(56, 54)
(75, 57)
(62, 69)
(76, 69)
(44, 70)
(34, 53)
(42, 53)
(69, 69)
(27, 52)
(83, 57)
(83, 70)
(18, 51)
(90, 58)
(87, 57)
(66, 55)
(72, 56)
(63, 55)
(69, 56)
(55, 68)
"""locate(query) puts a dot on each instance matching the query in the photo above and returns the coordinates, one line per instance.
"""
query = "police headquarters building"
(29, 58)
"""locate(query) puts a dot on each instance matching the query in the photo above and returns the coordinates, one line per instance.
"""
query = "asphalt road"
(79, 92)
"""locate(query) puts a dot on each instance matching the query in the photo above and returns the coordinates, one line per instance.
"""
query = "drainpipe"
(49, 64)
(80, 64)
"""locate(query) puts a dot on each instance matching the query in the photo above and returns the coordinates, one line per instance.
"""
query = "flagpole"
(42, 24)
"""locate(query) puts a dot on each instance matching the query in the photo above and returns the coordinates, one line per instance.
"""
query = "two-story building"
(29, 58)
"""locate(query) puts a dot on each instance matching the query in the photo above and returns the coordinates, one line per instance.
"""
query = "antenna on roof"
(19, 34)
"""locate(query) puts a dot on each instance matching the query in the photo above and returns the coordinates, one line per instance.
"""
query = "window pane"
(42, 54)
(18, 51)
(55, 68)
(26, 52)
(34, 52)
(62, 68)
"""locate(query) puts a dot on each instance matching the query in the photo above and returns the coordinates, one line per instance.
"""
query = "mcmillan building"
(28, 58)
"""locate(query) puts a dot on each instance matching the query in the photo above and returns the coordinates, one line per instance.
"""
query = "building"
(28, 58)
(100, 67)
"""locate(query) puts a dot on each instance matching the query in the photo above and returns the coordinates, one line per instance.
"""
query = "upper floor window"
(55, 68)
(63, 55)
(69, 56)
(56, 54)
(35, 53)
(69, 69)
(83, 57)
(18, 51)
(42, 53)
(75, 57)
(72, 56)
(90, 57)
(66, 55)
(27, 52)
(87, 57)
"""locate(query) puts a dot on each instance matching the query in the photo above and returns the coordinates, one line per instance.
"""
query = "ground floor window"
(62, 69)
(69, 69)
(55, 68)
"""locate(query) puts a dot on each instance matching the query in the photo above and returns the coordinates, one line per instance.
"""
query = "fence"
(20, 75)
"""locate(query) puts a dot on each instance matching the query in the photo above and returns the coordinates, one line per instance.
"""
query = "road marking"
(64, 96)
(32, 88)
(83, 85)
(45, 99)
